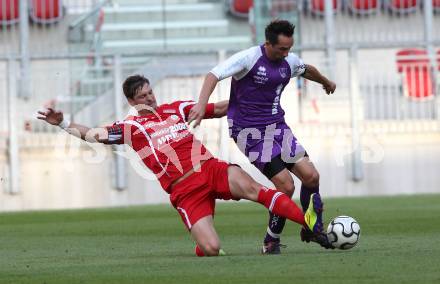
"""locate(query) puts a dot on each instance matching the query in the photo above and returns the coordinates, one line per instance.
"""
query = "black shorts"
(276, 165)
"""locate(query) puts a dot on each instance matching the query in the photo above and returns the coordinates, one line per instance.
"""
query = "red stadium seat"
(317, 6)
(46, 11)
(9, 12)
(363, 7)
(436, 5)
(240, 7)
(415, 68)
(403, 6)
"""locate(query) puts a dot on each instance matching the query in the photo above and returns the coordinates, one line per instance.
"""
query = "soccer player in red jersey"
(186, 170)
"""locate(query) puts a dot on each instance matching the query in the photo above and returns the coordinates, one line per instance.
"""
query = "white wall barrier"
(58, 171)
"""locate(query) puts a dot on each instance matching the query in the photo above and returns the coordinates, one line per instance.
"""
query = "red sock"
(281, 205)
(199, 251)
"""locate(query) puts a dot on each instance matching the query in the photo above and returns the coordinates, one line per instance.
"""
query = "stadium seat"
(317, 6)
(9, 12)
(436, 6)
(416, 74)
(46, 11)
(402, 6)
(240, 8)
(363, 7)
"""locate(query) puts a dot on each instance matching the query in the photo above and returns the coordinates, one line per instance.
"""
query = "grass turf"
(148, 244)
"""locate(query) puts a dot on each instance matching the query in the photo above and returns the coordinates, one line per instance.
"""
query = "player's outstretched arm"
(230, 67)
(198, 111)
(85, 133)
(313, 74)
(221, 109)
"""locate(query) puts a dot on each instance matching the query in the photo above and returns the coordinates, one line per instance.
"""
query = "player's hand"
(51, 116)
(196, 114)
(329, 87)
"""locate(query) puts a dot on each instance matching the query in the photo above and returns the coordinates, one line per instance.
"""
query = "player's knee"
(211, 248)
(245, 186)
(289, 189)
(286, 186)
(312, 179)
(254, 190)
(250, 190)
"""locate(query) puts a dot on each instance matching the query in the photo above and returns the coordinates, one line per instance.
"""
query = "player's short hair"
(276, 28)
(133, 84)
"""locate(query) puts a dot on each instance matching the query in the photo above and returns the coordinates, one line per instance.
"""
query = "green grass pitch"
(400, 243)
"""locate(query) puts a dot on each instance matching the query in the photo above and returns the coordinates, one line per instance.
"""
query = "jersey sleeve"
(238, 64)
(116, 133)
(296, 64)
(187, 106)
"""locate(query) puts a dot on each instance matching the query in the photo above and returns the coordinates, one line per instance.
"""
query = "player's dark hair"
(276, 28)
(133, 84)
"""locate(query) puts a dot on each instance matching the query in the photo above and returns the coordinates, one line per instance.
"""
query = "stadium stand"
(115, 38)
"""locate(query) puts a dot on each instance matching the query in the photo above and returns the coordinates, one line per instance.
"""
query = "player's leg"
(295, 158)
(309, 176)
(205, 236)
(195, 204)
(242, 186)
(285, 153)
(231, 182)
(276, 171)
(283, 181)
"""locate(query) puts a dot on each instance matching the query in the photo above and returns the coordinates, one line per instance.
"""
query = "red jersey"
(162, 140)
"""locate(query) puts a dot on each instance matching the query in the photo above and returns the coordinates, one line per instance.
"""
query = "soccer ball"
(343, 232)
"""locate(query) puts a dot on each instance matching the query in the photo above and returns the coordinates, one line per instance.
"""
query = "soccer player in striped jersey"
(259, 76)
(186, 170)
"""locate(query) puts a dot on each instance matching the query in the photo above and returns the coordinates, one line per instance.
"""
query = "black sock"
(275, 228)
(305, 194)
